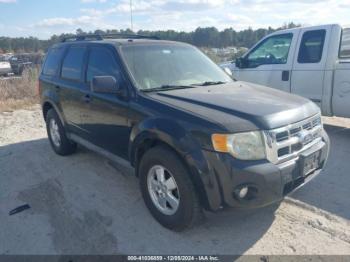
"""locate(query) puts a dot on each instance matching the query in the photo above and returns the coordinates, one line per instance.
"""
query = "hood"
(241, 106)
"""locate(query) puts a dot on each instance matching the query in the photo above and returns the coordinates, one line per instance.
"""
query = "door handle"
(285, 75)
(87, 98)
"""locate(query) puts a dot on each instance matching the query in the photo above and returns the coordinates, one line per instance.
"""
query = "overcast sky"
(42, 18)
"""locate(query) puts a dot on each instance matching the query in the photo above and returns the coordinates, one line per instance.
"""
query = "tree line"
(201, 37)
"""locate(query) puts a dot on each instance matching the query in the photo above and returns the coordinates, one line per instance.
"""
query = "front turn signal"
(220, 142)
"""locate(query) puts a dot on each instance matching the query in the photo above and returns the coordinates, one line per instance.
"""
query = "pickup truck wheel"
(167, 189)
(57, 136)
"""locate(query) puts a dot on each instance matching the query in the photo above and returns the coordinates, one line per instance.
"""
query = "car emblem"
(305, 137)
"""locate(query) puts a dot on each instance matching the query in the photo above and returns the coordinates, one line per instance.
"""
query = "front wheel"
(167, 189)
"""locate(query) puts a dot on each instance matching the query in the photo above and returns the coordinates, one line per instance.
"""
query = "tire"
(57, 135)
(188, 211)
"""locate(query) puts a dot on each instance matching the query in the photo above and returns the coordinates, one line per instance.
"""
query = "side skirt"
(118, 163)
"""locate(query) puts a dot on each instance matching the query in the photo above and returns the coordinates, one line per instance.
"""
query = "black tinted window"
(102, 63)
(311, 46)
(52, 61)
(345, 44)
(73, 63)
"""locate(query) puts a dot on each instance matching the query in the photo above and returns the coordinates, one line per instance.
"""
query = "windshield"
(156, 66)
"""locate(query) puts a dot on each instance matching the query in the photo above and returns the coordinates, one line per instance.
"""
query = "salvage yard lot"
(84, 204)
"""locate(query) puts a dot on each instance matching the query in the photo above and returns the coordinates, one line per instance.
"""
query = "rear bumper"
(267, 182)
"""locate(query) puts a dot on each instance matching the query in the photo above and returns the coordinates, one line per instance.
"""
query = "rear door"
(309, 64)
(105, 116)
(270, 61)
(71, 86)
(49, 74)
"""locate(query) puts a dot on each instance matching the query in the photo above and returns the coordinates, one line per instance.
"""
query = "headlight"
(244, 146)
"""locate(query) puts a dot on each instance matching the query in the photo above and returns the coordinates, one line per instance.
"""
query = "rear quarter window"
(311, 46)
(52, 61)
(344, 51)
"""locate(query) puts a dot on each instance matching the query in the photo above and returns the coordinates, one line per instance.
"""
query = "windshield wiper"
(210, 83)
(167, 87)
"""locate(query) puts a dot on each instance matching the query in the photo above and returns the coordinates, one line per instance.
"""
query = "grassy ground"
(19, 92)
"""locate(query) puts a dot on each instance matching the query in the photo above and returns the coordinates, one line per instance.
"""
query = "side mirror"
(241, 62)
(105, 84)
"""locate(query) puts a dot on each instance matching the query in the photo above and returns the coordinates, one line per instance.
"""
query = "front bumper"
(267, 182)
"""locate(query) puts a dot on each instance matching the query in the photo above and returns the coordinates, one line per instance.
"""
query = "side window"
(273, 50)
(102, 63)
(311, 47)
(345, 44)
(73, 63)
(52, 61)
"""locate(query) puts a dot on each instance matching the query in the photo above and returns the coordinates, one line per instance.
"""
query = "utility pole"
(131, 22)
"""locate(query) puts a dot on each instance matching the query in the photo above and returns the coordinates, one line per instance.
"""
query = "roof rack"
(100, 37)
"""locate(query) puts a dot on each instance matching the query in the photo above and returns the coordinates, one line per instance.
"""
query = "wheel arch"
(46, 107)
(49, 104)
(156, 131)
(176, 139)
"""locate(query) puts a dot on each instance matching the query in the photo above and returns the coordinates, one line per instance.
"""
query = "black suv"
(197, 138)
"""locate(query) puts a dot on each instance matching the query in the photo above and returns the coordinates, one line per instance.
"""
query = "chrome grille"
(287, 142)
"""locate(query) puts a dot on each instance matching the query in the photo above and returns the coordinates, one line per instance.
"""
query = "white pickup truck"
(313, 62)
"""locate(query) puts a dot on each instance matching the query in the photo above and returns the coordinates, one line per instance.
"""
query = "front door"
(269, 63)
(105, 116)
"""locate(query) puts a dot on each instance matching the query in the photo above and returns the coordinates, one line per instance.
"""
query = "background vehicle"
(5, 67)
(313, 62)
(19, 63)
(196, 138)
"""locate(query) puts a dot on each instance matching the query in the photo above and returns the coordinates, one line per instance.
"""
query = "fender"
(49, 97)
(187, 147)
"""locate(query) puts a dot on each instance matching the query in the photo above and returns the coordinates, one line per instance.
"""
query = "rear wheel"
(167, 189)
(57, 135)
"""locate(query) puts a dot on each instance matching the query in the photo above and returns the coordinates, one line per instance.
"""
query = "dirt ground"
(83, 204)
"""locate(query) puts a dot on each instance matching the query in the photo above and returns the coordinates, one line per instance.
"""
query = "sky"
(43, 18)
